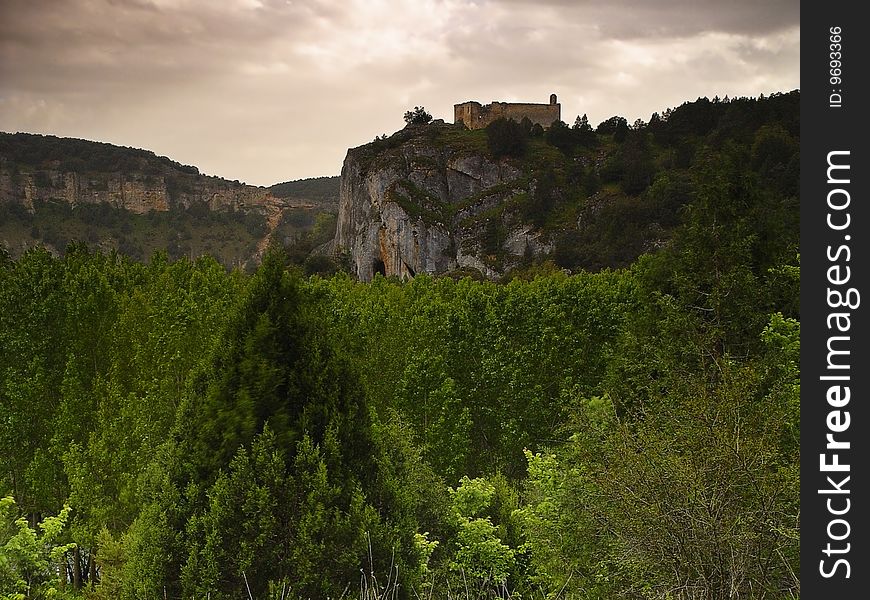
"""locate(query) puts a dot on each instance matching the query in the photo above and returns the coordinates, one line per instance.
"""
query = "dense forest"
(171, 429)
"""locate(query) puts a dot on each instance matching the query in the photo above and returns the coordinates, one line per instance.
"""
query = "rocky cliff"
(67, 177)
(513, 197)
(429, 199)
(49, 169)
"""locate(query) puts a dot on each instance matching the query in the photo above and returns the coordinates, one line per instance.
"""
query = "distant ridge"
(56, 190)
(316, 189)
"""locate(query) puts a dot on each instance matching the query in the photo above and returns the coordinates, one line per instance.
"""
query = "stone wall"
(477, 116)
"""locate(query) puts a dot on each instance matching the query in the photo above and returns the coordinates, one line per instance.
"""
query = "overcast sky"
(266, 91)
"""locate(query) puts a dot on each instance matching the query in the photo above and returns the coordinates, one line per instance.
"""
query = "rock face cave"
(379, 267)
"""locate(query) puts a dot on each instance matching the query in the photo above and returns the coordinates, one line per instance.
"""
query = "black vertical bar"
(835, 225)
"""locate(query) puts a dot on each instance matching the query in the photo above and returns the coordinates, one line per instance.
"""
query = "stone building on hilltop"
(476, 116)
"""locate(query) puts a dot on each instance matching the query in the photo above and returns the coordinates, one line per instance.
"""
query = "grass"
(463, 140)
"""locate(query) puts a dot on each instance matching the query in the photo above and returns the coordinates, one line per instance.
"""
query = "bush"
(30, 560)
(561, 136)
(618, 126)
(418, 116)
(506, 137)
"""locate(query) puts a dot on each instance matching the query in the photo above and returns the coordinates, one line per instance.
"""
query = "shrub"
(506, 137)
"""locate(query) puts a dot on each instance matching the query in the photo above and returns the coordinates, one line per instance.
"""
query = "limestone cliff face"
(135, 192)
(148, 184)
(417, 203)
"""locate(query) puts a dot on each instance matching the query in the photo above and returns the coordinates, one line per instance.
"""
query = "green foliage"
(121, 340)
(266, 522)
(30, 559)
(39, 151)
(636, 163)
(506, 137)
(616, 126)
(475, 417)
(110, 561)
(472, 497)
(561, 136)
(775, 157)
(316, 189)
(480, 555)
(418, 116)
(272, 472)
(426, 389)
(717, 265)
(686, 498)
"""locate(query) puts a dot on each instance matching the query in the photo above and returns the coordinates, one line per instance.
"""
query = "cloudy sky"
(271, 90)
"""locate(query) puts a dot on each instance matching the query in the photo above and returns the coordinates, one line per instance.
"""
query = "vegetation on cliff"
(595, 198)
(318, 190)
(33, 151)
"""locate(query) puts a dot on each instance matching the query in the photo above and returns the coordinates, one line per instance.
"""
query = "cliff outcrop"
(136, 191)
(57, 190)
(430, 199)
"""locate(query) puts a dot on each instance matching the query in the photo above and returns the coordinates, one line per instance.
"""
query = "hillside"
(57, 190)
(316, 190)
(438, 198)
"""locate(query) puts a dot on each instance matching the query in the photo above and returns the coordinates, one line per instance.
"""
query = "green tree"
(481, 557)
(32, 355)
(637, 162)
(32, 563)
(273, 451)
(506, 137)
(429, 398)
(583, 132)
(267, 523)
(617, 126)
(418, 116)
(698, 496)
(561, 136)
(582, 123)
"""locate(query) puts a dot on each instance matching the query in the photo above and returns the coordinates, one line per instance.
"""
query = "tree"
(560, 136)
(582, 123)
(506, 137)
(616, 125)
(30, 561)
(418, 116)
(721, 513)
(697, 497)
(276, 423)
(481, 555)
(270, 521)
(638, 166)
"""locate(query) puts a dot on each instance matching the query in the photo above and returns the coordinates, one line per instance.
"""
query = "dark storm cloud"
(98, 43)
